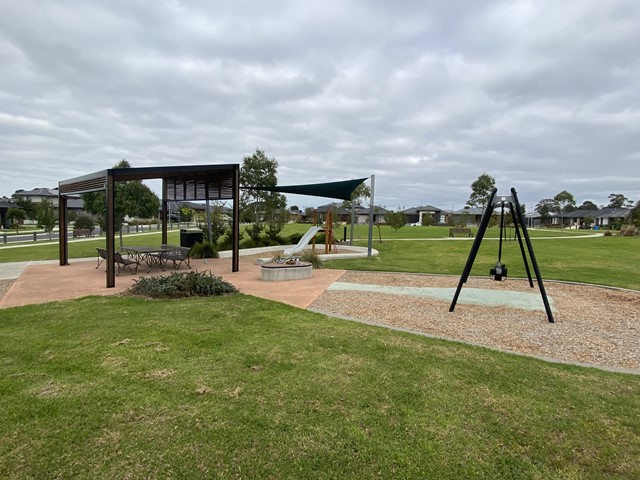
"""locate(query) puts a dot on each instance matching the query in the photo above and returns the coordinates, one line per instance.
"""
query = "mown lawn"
(239, 387)
(602, 260)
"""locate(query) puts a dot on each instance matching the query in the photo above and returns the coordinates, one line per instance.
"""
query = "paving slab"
(46, 282)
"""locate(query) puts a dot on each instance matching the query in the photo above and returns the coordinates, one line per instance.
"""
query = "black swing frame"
(520, 225)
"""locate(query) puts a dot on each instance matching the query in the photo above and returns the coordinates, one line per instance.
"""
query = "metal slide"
(304, 241)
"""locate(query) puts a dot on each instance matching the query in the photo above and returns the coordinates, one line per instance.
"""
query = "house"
(602, 218)
(5, 205)
(611, 217)
(379, 215)
(37, 195)
(343, 215)
(340, 214)
(415, 214)
(468, 216)
(173, 209)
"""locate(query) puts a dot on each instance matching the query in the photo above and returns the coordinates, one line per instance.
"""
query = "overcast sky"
(427, 95)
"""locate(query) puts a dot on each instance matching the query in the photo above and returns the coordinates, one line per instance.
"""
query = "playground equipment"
(310, 236)
(304, 241)
(499, 271)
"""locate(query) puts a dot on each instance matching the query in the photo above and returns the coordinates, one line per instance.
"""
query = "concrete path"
(473, 296)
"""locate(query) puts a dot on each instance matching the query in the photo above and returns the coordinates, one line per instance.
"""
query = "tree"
(427, 220)
(634, 216)
(84, 222)
(258, 170)
(30, 208)
(588, 205)
(186, 213)
(46, 216)
(617, 200)
(396, 219)
(564, 202)
(219, 224)
(588, 220)
(17, 215)
(359, 195)
(132, 198)
(309, 212)
(544, 208)
(481, 190)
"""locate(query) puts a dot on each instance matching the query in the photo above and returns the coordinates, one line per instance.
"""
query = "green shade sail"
(340, 190)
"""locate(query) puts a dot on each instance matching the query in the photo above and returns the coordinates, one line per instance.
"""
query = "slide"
(306, 238)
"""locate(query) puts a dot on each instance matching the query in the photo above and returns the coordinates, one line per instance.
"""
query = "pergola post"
(111, 237)
(63, 241)
(235, 261)
(165, 217)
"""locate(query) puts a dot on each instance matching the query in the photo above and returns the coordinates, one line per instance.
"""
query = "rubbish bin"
(189, 237)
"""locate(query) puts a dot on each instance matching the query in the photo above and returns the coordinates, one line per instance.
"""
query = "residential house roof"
(425, 208)
(37, 192)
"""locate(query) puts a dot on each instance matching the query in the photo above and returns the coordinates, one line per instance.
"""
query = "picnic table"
(150, 255)
(153, 256)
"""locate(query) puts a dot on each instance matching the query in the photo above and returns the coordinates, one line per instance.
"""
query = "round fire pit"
(277, 272)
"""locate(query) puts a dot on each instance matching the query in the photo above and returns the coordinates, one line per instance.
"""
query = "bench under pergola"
(182, 183)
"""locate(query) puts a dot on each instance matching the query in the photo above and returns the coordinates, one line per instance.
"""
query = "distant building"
(416, 214)
(37, 195)
(5, 205)
(343, 215)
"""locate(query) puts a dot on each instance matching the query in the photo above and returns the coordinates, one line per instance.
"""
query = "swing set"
(499, 271)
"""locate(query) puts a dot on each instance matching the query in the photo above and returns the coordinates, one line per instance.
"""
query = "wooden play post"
(315, 222)
(328, 232)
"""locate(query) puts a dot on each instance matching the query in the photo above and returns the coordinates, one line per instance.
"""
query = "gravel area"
(594, 325)
(5, 285)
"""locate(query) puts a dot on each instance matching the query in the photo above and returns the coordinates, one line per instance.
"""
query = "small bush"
(313, 258)
(608, 233)
(85, 222)
(180, 285)
(294, 238)
(203, 250)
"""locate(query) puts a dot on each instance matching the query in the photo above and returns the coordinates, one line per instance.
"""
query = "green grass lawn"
(239, 387)
(602, 260)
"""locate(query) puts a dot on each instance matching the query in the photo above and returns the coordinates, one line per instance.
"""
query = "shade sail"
(340, 190)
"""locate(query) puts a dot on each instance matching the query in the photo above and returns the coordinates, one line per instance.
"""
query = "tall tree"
(258, 170)
(588, 205)
(617, 200)
(634, 216)
(17, 216)
(46, 216)
(132, 198)
(544, 208)
(396, 219)
(481, 190)
(30, 208)
(564, 202)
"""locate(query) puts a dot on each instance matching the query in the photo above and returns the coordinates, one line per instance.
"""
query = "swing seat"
(499, 272)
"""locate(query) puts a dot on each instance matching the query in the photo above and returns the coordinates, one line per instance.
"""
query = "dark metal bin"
(189, 237)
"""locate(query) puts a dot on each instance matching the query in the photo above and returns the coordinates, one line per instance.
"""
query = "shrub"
(313, 258)
(85, 222)
(180, 285)
(203, 249)
(608, 233)
(427, 220)
(294, 238)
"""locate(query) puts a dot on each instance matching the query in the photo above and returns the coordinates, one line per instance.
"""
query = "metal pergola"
(181, 183)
